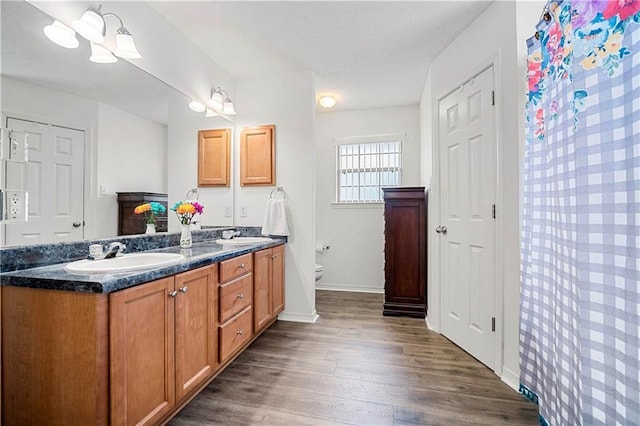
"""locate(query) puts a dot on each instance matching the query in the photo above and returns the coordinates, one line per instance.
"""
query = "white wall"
(491, 37)
(182, 163)
(288, 101)
(355, 261)
(124, 152)
(132, 157)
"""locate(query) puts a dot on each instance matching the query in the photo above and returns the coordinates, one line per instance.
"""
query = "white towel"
(275, 218)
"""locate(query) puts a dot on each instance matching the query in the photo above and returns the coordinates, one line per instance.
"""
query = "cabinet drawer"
(229, 269)
(235, 333)
(235, 296)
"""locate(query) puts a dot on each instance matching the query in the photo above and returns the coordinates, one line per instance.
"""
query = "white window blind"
(364, 168)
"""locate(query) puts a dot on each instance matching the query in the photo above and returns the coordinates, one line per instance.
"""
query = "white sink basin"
(237, 241)
(126, 263)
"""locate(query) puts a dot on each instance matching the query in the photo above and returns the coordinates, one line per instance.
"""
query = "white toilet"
(319, 271)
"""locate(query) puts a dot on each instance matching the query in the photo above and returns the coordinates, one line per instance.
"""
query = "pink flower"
(623, 8)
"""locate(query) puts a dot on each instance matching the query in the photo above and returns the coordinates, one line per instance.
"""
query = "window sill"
(372, 205)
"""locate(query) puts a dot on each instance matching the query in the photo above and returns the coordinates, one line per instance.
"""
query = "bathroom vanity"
(132, 348)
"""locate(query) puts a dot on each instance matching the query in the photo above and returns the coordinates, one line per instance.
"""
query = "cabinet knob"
(240, 295)
(173, 293)
(184, 289)
(239, 332)
(275, 256)
(241, 266)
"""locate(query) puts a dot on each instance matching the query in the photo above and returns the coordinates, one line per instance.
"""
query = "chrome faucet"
(115, 249)
(227, 235)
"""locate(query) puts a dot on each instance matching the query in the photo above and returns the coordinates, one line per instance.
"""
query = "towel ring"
(193, 192)
(278, 189)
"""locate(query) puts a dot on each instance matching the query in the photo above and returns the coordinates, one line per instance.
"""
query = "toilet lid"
(319, 267)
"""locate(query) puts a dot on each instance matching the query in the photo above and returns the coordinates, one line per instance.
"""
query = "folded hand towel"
(275, 218)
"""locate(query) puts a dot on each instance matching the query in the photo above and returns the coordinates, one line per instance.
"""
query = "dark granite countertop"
(55, 277)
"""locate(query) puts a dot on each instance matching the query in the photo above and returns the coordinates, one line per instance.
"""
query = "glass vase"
(151, 229)
(185, 236)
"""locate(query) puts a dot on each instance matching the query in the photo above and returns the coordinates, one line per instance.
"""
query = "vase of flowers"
(149, 212)
(185, 211)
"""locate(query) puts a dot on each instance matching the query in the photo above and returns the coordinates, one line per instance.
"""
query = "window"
(364, 168)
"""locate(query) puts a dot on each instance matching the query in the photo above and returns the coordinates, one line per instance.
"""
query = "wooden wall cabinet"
(163, 344)
(268, 286)
(214, 153)
(258, 156)
(130, 223)
(405, 251)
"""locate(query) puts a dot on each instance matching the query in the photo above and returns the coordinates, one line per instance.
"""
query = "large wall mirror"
(113, 124)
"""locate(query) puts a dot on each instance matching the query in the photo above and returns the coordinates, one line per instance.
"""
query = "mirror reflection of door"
(55, 184)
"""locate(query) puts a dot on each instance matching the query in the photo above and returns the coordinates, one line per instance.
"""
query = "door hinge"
(493, 97)
(493, 323)
(493, 211)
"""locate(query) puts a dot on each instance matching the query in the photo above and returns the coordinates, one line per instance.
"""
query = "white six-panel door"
(467, 236)
(55, 181)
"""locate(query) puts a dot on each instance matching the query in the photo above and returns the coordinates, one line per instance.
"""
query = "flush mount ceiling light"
(327, 101)
(91, 26)
(197, 106)
(61, 35)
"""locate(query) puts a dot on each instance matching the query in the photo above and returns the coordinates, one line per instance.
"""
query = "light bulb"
(327, 101)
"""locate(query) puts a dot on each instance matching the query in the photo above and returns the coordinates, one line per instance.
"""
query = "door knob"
(77, 224)
(441, 230)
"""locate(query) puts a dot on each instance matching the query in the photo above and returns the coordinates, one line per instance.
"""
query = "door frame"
(434, 310)
(89, 168)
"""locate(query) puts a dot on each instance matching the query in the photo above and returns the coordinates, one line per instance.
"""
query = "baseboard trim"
(297, 317)
(352, 289)
(511, 379)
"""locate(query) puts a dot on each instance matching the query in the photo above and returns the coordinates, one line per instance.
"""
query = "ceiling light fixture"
(91, 26)
(61, 35)
(327, 101)
(197, 106)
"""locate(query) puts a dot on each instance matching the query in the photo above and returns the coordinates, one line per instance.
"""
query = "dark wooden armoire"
(405, 251)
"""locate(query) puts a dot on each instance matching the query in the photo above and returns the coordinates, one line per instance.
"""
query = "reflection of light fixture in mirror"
(91, 25)
(211, 113)
(197, 106)
(327, 101)
(61, 35)
(215, 102)
(101, 55)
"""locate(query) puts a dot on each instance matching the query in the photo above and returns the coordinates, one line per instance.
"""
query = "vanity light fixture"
(220, 102)
(61, 35)
(210, 113)
(91, 26)
(327, 101)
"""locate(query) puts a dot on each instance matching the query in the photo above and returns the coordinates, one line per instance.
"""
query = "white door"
(55, 183)
(467, 151)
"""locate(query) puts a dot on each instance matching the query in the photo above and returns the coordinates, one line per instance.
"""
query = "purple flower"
(585, 11)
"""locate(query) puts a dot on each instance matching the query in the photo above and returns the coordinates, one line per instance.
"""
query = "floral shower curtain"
(580, 294)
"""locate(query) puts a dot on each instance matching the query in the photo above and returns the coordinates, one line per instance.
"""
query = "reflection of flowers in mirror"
(185, 210)
(150, 210)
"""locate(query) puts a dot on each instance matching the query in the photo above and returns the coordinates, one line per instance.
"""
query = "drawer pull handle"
(184, 289)
(173, 293)
(239, 332)
(240, 295)
(241, 266)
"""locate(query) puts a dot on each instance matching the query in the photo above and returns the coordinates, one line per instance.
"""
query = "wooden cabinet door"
(195, 328)
(142, 353)
(262, 296)
(213, 157)
(258, 156)
(277, 280)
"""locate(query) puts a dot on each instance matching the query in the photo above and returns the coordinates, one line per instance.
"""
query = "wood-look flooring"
(356, 367)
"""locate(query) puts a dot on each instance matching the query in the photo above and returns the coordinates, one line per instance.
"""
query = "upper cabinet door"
(213, 157)
(258, 156)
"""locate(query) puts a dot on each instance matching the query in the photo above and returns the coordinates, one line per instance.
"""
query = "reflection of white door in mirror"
(54, 183)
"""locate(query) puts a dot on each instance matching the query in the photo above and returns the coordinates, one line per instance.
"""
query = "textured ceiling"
(369, 54)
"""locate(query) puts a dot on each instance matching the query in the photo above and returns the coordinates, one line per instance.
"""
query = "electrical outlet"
(243, 211)
(227, 211)
(16, 205)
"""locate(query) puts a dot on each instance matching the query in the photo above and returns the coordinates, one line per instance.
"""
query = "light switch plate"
(227, 211)
(243, 211)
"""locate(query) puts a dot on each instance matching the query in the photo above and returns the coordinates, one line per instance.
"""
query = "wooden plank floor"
(356, 367)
